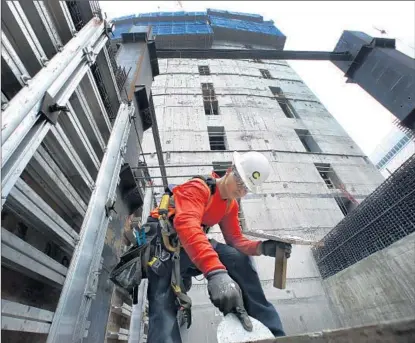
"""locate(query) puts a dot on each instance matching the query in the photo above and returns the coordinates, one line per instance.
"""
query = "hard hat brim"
(237, 162)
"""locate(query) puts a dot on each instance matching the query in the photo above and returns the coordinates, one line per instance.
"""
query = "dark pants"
(163, 325)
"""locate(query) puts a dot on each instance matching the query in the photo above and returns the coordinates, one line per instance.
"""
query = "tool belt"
(133, 264)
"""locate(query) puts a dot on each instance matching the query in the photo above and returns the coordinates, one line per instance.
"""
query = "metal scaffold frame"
(81, 283)
(61, 161)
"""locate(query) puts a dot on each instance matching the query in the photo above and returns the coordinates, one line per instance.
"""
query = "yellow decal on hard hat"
(256, 175)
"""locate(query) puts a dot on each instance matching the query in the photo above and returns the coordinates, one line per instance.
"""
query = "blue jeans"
(163, 325)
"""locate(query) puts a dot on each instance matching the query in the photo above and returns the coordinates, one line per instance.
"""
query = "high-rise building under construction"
(208, 108)
(94, 121)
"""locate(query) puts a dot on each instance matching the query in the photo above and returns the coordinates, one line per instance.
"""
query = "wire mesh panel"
(384, 217)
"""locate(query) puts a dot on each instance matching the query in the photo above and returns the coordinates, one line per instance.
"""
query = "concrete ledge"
(387, 332)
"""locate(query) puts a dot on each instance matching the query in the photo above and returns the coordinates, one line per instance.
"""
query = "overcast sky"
(317, 25)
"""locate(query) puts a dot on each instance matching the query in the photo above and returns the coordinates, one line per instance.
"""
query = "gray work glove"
(226, 295)
(269, 247)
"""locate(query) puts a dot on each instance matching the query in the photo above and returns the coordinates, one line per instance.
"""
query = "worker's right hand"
(269, 247)
(226, 295)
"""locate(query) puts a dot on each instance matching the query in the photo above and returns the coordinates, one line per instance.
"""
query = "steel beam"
(236, 54)
(80, 285)
(104, 124)
(27, 103)
(62, 19)
(44, 170)
(88, 121)
(10, 308)
(48, 23)
(21, 256)
(23, 318)
(157, 143)
(80, 141)
(61, 149)
(24, 30)
(23, 325)
(34, 212)
(13, 61)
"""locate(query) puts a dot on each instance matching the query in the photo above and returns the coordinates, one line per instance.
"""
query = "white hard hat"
(253, 168)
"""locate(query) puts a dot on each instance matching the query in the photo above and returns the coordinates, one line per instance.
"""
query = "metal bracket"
(123, 150)
(364, 51)
(91, 290)
(25, 79)
(89, 55)
(110, 207)
(109, 28)
(50, 109)
(98, 13)
(44, 61)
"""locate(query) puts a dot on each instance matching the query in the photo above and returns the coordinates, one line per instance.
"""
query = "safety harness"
(171, 243)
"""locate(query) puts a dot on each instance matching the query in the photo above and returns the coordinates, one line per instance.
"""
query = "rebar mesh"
(102, 90)
(119, 72)
(384, 217)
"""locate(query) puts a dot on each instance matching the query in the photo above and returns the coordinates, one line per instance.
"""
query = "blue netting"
(247, 15)
(163, 23)
(234, 24)
(170, 23)
(178, 27)
(170, 14)
(185, 29)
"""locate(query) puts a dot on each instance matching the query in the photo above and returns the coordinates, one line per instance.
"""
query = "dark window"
(284, 102)
(265, 74)
(204, 70)
(221, 167)
(345, 205)
(217, 137)
(210, 103)
(308, 141)
(211, 107)
(328, 175)
(248, 46)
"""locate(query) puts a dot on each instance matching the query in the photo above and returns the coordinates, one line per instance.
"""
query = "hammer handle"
(280, 271)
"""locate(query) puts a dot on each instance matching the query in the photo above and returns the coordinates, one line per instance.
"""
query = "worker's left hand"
(226, 295)
(269, 247)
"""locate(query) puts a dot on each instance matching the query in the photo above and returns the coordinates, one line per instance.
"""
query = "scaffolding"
(63, 165)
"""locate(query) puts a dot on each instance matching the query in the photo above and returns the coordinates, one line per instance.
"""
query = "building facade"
(208, 108)
(394, 149)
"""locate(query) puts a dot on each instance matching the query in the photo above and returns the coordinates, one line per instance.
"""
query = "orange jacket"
(190, 200)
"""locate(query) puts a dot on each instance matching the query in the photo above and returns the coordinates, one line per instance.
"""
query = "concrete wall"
(377, 288)
(294, 200)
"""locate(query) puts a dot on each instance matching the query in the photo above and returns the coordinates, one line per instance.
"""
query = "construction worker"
(233, 283)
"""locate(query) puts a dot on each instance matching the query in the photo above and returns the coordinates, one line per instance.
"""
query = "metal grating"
(383, 218)
(102, 90)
